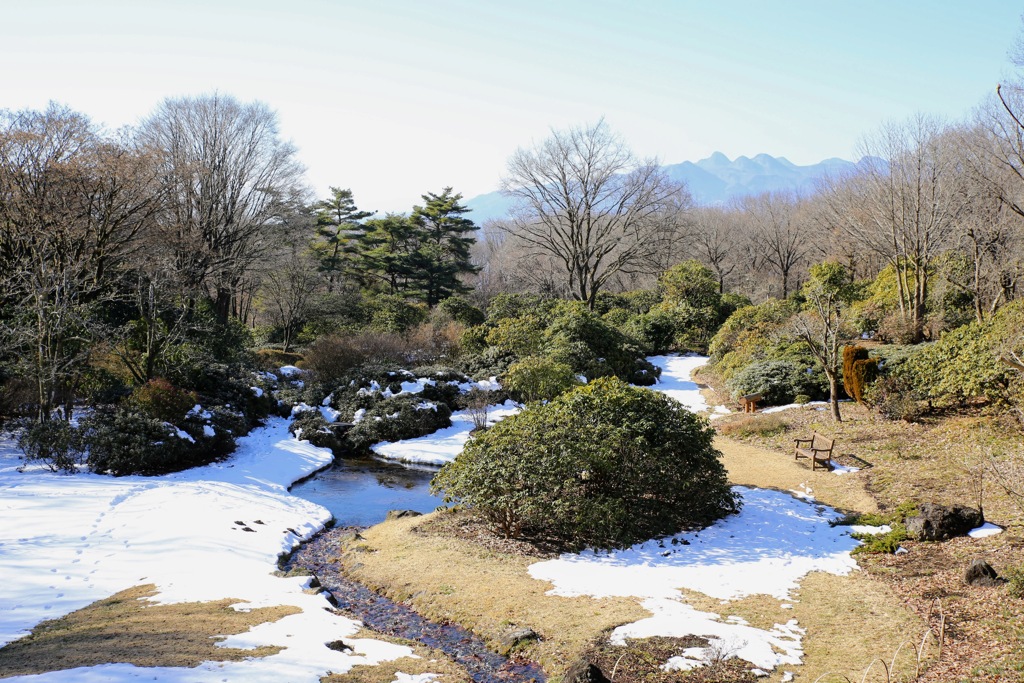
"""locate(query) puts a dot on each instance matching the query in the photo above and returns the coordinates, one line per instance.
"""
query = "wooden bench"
(749, 402)
(817, 448)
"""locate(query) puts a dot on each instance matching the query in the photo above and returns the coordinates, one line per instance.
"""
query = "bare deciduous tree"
(228, 175)
(73, 204)
(780, 235)
(903, 204)
(716, 234)
(584, 200)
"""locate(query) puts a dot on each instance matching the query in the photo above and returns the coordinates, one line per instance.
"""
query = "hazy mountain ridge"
(716, 180)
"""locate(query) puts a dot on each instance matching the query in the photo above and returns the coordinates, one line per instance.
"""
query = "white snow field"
(66, 541)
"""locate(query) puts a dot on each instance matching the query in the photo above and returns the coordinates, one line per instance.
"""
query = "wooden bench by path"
(817, 448)
(749, 402)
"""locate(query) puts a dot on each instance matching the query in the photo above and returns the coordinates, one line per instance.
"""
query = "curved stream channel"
(359, 492)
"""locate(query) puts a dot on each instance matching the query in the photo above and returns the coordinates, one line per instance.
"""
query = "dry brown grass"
(487, 591)
(126, 628)
(935, 460)
(750, 465)
(938, 459)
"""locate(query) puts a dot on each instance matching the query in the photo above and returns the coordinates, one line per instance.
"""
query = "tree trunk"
(833, 397)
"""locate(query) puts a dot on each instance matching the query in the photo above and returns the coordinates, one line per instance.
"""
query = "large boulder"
(940, 523)
(981, 573)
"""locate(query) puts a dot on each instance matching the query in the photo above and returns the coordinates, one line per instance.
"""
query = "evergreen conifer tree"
(445, 238)
(337, 227)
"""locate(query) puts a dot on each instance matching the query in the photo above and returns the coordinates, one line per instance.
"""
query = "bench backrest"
(821, 443)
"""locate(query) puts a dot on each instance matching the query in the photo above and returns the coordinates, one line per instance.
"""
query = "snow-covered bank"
(443, 445)
(206, 534)
(765, 549)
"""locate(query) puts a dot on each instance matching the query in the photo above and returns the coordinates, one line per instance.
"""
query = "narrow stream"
(359, 492)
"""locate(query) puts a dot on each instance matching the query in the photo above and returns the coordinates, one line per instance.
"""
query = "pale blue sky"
(394, 98)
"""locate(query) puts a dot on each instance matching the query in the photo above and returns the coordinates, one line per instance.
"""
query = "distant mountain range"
(712, 181)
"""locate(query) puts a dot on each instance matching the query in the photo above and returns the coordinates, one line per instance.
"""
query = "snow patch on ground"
(792, 406)
(443, 445)
(67, 541)
(289, 371)
(985, 530)
(765, 549)
(675, 380)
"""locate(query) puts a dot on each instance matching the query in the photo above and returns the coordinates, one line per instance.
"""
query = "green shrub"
(538, 379)
(53, 442)
(163, 401)
(394, 419)
(518, 337)
(520, 305)
(634, 302)
(692, 283)
(778, 381)
(654, 332)
(592, 348)
(801, 399)
(393, 314)
(751, 334)
(122, 441)
(960, 366)
(310, 425)
(605, 465)
(461, 311)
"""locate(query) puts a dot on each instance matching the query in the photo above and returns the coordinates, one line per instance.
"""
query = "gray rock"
(584, 671)
(941, 523)
(401, 514)
(981, 573)
(513, 637)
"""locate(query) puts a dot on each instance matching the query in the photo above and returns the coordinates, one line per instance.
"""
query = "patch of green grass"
(881, 543)
(897, 516)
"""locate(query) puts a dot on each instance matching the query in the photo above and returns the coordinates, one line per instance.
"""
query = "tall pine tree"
(445, 237)
(337, 228)
(384, 254)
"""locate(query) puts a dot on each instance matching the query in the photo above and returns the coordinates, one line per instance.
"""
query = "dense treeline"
(168, 252)
(933, 207)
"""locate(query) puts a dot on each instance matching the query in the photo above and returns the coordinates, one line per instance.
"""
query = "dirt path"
(753, 466)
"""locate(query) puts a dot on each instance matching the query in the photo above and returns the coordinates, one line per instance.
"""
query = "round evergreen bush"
(605, 465)
(538, 379)
(778, 381)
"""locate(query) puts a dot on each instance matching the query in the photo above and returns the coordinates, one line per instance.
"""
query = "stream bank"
(318, 555)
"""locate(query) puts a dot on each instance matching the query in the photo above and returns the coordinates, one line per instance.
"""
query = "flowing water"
(359, 492)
